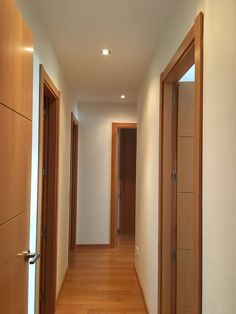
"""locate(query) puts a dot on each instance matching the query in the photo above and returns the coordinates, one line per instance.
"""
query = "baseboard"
(93, 246)
(145, 303)
(62, 284)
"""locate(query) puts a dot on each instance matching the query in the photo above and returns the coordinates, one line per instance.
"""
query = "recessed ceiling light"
(122, 96)
(105, 52)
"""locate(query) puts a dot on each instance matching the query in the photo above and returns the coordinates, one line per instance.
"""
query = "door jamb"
(46, 82)
(178, 65)
(114, 176)
(73, 171)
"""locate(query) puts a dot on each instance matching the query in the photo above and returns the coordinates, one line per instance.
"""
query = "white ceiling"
(81, 28)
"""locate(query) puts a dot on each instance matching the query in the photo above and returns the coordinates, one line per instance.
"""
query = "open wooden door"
(180, 182)
(16, 69)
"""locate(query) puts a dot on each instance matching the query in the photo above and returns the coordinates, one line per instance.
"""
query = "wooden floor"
(102, 281)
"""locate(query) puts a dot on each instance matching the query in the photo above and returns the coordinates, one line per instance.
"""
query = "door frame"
(114, 176)
(47, 84)
(190, 52)
(73, 181)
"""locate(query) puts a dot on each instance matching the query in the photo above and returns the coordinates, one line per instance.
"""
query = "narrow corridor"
(102, 281)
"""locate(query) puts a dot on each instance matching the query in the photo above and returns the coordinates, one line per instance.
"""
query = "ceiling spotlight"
(122, 96)
(105, 52)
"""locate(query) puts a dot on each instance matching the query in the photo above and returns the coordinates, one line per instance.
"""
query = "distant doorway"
(73, 182)
(124, 142)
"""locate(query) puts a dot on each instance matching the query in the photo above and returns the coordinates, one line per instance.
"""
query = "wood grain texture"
(15, 163)
(102, 281)
(14, 239)
(198, 130)
(16, 60)
(166, 200)
(48, 192)
(185, 220)
(186, 92)
(127, 180)
(185, 164)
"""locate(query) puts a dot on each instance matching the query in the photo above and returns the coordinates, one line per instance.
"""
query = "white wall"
(219, 158)
(219, 155)
(47, 56)
(95, 168)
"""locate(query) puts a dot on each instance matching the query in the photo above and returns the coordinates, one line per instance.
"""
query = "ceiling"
(79, 30)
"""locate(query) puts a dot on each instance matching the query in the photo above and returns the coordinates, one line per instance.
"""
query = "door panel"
(16, 75)
(185, 173)
(15, 163)
(185, 220)
(184, 278)
(16, 62)
(14, 239)
(128, 180)
(184, 310)
(186, 109)
(185, 164)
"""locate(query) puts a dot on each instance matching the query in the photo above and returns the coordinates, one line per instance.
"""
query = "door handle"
(35, 258)
(28, 256)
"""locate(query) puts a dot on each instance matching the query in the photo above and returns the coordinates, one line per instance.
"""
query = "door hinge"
(44, 233)
(174, 177)
(175, 98)
(42, 296)
(45, 110)
(174, 255)
(45, 172)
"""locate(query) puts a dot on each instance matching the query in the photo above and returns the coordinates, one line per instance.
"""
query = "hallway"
(102, 281)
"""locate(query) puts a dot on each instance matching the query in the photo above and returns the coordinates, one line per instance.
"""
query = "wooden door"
(73, 183)
(48, 191)
(127, 180)
(184, 197)
(15, 157)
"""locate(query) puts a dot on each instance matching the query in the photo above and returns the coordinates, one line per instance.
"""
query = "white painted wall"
(219, 159)
(219, 155)
(47, 56)
(95, 168)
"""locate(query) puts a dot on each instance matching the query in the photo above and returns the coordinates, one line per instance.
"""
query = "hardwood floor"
(102, 281)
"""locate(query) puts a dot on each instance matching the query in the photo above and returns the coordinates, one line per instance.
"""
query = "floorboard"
(102, 281)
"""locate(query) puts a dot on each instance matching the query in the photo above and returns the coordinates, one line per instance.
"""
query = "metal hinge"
(45, 172)
(44, 233)
(174, 177)
(174, 255)
(42, 296)
(175, 98)
(45, 110)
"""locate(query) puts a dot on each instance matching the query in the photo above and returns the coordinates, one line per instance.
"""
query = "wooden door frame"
(47, 84)
(73, 172)
(114, 176)
(190, 49)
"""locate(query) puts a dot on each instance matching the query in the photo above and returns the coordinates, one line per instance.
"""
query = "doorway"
(180, 235)
(124, 139)
(48, 191)
(73, 182)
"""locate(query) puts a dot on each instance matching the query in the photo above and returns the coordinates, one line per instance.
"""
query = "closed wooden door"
(15, 157)
(127, 179)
